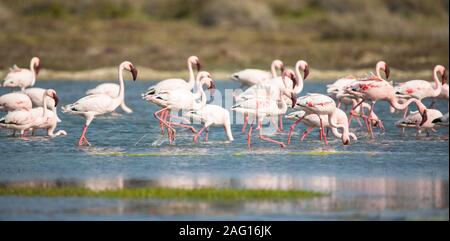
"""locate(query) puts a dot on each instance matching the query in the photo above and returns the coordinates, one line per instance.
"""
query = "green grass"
(210, 194)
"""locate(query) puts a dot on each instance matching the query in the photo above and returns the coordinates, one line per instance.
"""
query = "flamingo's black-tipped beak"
(134, 72)
(306, 72)
(294, 100)
(282, 69)
(346, 142)
(424, 117)
(294, 81)
(199, 66)
(444, 77)
(387, 71)
(55, 97)
(37, 68)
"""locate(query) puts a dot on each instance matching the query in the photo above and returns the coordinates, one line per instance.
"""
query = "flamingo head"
(442, 71)
(52, 94)
(345, 140)
(291, 75)
(278, 64)
(127, 65)
(36, 63)
(195, 61)
(303, 65)
(293, 99)
(382, 65)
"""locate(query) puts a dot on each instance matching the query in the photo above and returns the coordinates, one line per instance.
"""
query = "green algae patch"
(319, 153)
(211, 194)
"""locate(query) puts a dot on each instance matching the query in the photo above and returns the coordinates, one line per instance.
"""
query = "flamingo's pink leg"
(339, 104)
(198, 134)
(305, 134)
(323, 133)
(359, 121)
(244, 126)
(249, 136)
(352, 112)
(280, 129)
(169, 128)
(184, 126)
(370, 114)
(206, 134)
(83, 136)
(291, 129)
(269, 139)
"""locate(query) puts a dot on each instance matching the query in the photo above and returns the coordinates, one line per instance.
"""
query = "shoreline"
(110, 73)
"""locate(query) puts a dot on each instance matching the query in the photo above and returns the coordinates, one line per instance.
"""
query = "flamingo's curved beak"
(293, 99)
(306, 72)
(387, 71)
(444, 77)
(212, 88)
(134, 72)
(55, 97)
(37, 68)
(294, 81)
(424, 117)
(346, 142)
(282, 69)
(199, 66)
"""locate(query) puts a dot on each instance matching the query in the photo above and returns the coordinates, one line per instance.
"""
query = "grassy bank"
(211, 194)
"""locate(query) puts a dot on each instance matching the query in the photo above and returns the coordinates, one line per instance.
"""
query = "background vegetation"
(225, 34)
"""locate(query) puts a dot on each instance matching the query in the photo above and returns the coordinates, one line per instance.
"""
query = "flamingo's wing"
(99, 103)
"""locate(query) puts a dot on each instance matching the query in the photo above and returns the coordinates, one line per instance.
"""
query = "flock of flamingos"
(269, 95)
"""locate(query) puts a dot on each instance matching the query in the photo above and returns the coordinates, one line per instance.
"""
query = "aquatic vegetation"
(209, 193)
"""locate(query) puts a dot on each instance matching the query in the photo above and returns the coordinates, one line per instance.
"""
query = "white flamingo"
(262, 107)
(179, 99)
(320, 105)
(36, 96)
(441, 121)
(15, 101)
(36, 118)
(249, 77)
(312, 121)
(92, 105)
(22, 78)
(111, 89)
(212, 115)
(176, 83)
(414, 118)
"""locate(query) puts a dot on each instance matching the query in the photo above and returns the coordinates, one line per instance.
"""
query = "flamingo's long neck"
(33, 72)
(400, 106)
(299, 87)
(437, 84)
(121, 94)
(200, 92)
(273, 70)
(191, 76)
(332, 120)
(44, 99)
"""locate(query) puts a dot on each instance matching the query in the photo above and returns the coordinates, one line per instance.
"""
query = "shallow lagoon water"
(392, 177)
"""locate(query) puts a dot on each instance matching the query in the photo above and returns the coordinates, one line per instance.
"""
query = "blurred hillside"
(225, 34)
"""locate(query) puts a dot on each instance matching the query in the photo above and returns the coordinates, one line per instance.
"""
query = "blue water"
(393, 176)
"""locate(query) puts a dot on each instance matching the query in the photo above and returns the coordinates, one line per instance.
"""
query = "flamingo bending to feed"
(312, 121)
(414, 118)
(179, 99)
(92, 105)
(111, 89)
(37, 98)
(321, 105)
(36, 118)
(441, 121)
(15, 101)
(376, 89)
(261, 107)
(22, 78)
(249, 77)
(212, 115)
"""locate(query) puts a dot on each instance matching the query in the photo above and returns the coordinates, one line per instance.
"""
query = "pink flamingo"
(250, 77)
(320, 105)
(413, 119)
(179, 99)
(15, 101)
(36, 97)
(111, 89)
(93, 105)
(312, 121)
(22, 78)
(376, 89)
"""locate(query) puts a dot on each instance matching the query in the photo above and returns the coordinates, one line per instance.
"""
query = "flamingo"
(261, 107)
(414, 118)
(212, 115)
(312, 121)
(441, 121)
(111, 89)
(375, 89)
(175, 83)
(320, 105)
(39, 118)
(339, 85)
(92, 105)
(23, 78)
(250, 77)
(36, 96)
(179, 99)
